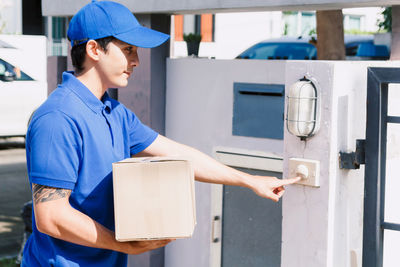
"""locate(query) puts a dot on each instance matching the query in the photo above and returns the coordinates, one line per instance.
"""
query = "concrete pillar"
(55, 67)
(330, 35)
(145, 95)
(322, 227)
(305, 210)
(69, 60)
(395, 47)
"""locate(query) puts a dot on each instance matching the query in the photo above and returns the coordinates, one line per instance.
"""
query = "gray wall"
(55, 67)
(199, 108)
(68, 8)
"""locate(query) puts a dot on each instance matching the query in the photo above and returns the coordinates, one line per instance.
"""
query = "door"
(251, 226)
(381, 237)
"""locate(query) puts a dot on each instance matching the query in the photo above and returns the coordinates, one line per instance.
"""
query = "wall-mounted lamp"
(303, 109)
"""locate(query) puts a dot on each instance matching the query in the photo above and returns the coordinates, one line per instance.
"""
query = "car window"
(299, 51)
(15, 72)
(352, 47)
(351, 50)
(367, 50)
(2, 68)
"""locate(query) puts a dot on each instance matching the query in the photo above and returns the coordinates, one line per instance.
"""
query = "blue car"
(359, 47)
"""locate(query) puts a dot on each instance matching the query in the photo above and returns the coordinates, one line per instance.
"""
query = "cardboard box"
(153, 198)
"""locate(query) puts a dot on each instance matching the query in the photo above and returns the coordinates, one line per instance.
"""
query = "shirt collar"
(76, 86)
(107, 100)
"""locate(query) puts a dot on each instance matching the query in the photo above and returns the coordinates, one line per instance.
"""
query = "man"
(77, 134)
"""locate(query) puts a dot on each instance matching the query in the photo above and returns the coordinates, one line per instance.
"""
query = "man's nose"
(134, 60)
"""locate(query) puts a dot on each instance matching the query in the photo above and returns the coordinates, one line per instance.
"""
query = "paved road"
(14, 192)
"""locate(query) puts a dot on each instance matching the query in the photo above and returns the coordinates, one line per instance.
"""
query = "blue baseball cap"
(100, 19)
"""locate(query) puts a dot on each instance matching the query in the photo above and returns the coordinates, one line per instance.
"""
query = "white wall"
(235, 32)
(30, 54)
(370, 15)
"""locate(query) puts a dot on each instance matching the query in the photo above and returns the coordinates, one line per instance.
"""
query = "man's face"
(116, 65)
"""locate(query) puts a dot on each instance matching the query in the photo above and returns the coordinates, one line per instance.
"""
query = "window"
(299, 23)
(58, 28)
(198, 24)
(354, 23)
(290, 20)
(57, 36)
(10, 73)
(293, 51)
(308, 23)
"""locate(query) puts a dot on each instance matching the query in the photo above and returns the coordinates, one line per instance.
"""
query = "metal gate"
(378, 120)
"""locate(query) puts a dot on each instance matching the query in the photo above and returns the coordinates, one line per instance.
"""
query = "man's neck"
(92, 80)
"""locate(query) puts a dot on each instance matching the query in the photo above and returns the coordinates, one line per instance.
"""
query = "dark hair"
(78, 52)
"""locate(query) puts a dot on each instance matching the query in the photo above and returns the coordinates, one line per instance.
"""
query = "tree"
(330, 35)
(386, 23)
(395, 29)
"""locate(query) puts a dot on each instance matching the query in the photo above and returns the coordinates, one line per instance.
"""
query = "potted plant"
(193, 42)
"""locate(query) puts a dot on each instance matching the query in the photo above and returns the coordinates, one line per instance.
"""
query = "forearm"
(209, 170)
(71, 225)
(205, 167)
(76, 227)
(57, 218)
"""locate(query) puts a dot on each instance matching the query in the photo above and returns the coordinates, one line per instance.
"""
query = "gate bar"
(375, 158)
(391, 226)
(393, 119)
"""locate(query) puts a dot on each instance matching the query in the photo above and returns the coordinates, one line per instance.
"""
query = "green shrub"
(192, 37)
(386, 23)
(8, 262)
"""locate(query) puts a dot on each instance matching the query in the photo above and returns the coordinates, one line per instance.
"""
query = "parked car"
(23, 81)
(358, 47)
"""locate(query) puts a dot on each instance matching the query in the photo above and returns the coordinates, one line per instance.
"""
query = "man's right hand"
(137, 247)
(57, 218)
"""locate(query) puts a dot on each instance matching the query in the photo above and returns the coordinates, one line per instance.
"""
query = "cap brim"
(143, 37)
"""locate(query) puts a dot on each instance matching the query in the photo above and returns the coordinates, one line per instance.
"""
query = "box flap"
(150, 159)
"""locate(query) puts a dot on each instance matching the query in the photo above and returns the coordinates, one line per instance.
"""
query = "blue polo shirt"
(71, 143)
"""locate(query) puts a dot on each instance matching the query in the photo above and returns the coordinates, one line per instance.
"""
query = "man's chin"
(121, 84)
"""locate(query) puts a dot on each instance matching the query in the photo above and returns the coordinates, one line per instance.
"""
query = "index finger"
(290, 180)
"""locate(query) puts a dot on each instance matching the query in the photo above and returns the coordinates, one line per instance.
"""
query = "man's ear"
(93, 50)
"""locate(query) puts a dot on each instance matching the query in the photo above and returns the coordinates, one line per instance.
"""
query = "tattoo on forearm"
(42, 193)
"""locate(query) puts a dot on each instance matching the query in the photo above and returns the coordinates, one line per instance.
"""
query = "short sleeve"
(140, 135)
(53, 151)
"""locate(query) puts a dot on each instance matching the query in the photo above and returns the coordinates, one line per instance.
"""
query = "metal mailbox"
(258, 110)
